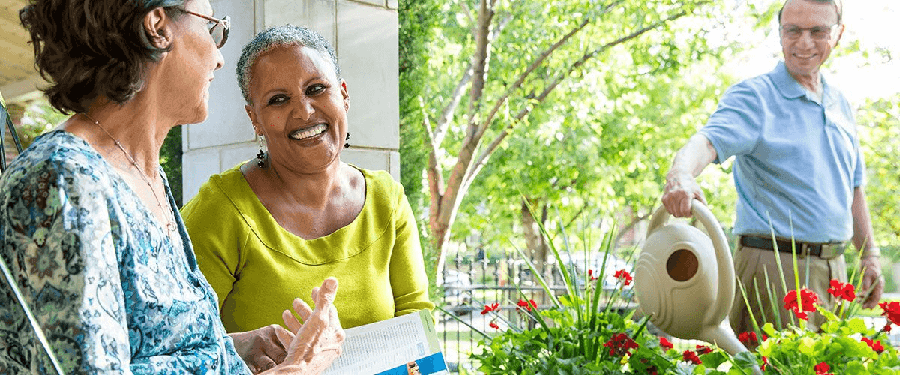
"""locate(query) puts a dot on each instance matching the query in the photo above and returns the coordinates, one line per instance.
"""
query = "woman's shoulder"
(381, 182)
(57, 154)
(214, 194)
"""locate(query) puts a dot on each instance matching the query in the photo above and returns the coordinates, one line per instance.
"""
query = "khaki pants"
(751, 267)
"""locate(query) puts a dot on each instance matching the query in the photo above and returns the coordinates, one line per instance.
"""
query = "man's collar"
(789, 87)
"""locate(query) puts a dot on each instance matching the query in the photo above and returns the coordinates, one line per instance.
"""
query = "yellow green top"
(257, 268)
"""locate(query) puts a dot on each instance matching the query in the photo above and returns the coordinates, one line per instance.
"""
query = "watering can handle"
(723, 253)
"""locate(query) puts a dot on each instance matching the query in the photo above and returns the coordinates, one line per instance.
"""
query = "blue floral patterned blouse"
(111, 291)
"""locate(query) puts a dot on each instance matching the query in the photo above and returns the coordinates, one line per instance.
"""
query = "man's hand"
(872, 282)
(681, 189)
(263, 348)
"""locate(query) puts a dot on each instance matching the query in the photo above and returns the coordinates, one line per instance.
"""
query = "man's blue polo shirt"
(797, 160)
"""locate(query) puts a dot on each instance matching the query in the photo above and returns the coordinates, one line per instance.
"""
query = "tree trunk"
(536, 244)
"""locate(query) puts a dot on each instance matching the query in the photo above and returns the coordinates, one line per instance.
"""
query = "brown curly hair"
(92, 48)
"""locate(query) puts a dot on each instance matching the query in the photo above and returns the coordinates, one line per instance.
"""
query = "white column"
(364, 34)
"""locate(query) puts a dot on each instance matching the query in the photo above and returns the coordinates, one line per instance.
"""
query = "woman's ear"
(156, 25)
(345, 94)
(252, 116)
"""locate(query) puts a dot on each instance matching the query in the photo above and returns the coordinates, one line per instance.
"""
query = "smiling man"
(798, 172)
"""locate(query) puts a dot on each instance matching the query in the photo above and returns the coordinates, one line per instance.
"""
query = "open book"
(404, 345)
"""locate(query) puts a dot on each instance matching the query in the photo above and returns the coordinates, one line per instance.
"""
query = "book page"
(386, 346)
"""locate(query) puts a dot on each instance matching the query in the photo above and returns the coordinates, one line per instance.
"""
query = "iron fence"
(470, 283)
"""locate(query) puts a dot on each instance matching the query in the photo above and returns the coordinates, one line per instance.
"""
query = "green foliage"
(838, 344)
(582, 334)
(418, 19)
(38, 118)
(880, 140)
(607, 135)
(170, 160)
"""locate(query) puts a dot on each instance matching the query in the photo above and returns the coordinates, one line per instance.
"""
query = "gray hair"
(280, 36)
(838, 7)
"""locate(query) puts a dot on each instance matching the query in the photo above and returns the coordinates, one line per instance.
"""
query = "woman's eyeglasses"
(219, 28)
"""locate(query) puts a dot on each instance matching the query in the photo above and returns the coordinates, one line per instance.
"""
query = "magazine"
(405, 345)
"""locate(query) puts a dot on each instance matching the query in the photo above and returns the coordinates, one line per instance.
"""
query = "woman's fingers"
(262, 363)
(302, 309)
(291, 322)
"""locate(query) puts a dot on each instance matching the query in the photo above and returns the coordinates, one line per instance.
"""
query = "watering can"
(684, 280)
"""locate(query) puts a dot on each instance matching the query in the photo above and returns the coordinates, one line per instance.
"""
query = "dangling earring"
(261, 156)
(347, 144)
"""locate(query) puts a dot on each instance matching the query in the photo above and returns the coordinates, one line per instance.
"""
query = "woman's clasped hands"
(303, 348)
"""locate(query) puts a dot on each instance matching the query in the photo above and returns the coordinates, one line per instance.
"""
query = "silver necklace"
(170, 224)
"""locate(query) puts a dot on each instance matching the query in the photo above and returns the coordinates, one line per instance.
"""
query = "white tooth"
(312, 131)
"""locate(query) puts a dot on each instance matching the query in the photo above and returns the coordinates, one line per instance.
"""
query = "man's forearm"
(695, 155)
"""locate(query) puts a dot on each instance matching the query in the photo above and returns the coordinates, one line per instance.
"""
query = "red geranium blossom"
(844, 291)
(875, 345)
(488, 308)
(747, 337)
(887, 327)
(527, 305)
(591, 275)
(808, 301)
(690, 356)
(765, 363)
(703, 349)
(619, 344)
(624, 276)
(665, 344)
(494, 325)
(891, 310)
(822, 368)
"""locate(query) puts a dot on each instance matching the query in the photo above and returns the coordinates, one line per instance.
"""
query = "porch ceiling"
(18, 77)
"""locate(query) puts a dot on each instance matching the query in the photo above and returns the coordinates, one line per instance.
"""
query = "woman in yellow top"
(274, 227)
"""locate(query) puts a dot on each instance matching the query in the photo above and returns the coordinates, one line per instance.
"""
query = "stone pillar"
(364, 34)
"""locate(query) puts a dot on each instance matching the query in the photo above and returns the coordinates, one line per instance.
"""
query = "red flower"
(843, 291)
(703, 349)
(624, 276)
(591, 275)
(875, 345)
(494, 325)
(492, 307)
(665, 344)
(887, 328)
(527, 305)
(765, 363)
(822, 368)
(891, 310)
(691, 357)
(619, 344)
(808, 301)
(747, 337)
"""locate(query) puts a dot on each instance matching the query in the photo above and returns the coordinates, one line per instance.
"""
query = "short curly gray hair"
(277, 37)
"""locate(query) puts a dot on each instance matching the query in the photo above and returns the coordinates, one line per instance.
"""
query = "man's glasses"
(817, 33)
(218, 29)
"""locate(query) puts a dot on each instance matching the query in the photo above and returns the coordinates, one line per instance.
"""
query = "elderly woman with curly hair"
(96, 252)
(298, 213)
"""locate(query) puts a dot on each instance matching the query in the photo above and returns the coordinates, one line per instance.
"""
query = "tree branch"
(443, 124)
(485, 154)
(535, 64)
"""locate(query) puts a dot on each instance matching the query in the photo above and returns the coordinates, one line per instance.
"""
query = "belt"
(826, 250)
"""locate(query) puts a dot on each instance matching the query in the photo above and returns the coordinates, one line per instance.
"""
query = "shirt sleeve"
(58, 242)
(409, 280)
(736, 125)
